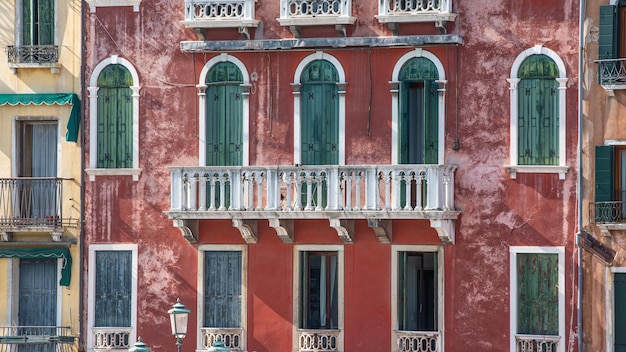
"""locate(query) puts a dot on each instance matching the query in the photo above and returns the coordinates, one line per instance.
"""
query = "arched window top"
(224, 72)
(115, 75)
(538, 66)
(319, 71)
(418, 69)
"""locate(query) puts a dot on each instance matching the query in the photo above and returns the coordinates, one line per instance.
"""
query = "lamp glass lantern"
(179, 317)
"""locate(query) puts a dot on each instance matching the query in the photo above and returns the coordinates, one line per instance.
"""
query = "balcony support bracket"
(189, 229)
(295, 30)
(248, 229)
(341, 28)
(5, 236)
(56, 235)
(201, 33)
(283, 228)
(244, 31)
(344, 228)
(382, 229)
(394, 28)
(445, 229)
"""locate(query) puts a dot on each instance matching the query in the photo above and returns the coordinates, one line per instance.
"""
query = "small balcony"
(612, 74)
(33, 56)
(233, 338)
(394, 12)
(46, 338)
(296, 13)
(337, 193)
(418, 341)
(29, 204)
(608, 216)
(111, 338)
(314, 340)
(203, 14)
(542, 343)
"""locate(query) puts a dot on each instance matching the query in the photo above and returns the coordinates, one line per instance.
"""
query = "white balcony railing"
(314, 340)
(114, 338)
(219, 13)
(532, 343)
(418, 341)
(311, 189)
(232, 338)
(414, 7)
(295, 13)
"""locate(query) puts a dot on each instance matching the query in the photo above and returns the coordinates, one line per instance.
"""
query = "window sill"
(537, 169)
(113, 172)
(317, 21)
(219, 23)
(93, 4)
(415, 18)
(53, 66)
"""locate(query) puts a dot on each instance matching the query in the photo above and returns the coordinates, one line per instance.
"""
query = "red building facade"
(331, 175)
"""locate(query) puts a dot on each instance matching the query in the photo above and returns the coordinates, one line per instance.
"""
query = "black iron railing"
(33, 54)
(608, 212)
(30, 201)
(612, 72)
(36, 338)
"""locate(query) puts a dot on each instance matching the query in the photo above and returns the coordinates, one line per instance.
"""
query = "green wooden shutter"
(537, 294)
(45, 25)
(319, 124)
(402, 288)
(548, 110)
(37, 292)
(28, 23)
(619, 312)
(215, 128)
(403, 122)
(222, 289)
(608, 32)
(604, 171)
(538, 130)
(113, 291)
(233, 121)
(431, 122)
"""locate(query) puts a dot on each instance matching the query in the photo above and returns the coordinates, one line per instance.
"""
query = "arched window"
(418, 122)
(223, 93)
(224, 107)
(319, 114)
(538, 85)
(418, 109)
(114, 119)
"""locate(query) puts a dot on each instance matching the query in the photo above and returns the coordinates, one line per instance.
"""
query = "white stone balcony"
(317, 340)
(340, 194)
(394, 12)
(530, 343)
(233, 338)
(296, 13)
(418, 341)
(203, 14)
(111, 338)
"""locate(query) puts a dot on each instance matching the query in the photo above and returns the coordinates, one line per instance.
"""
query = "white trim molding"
(513, 252)
(91, 303)
(514, 80)
(223, 57)
(93, 4)
(93, 169)
(395, 111)
(297, 136)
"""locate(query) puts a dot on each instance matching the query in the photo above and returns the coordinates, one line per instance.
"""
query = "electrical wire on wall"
(456, 145)
(369, 105)
(193, 63)
(270, 93)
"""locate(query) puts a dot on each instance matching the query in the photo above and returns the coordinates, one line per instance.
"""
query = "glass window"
(319, 290)
(417, 291)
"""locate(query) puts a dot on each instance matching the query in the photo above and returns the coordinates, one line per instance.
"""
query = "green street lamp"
(218, 346)
(179, 317)
(139, 347)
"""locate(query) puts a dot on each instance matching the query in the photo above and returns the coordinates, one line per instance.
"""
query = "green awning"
(73, 124)
(29, 253)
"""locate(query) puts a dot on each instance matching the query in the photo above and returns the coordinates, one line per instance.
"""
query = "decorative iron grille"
(607, 212)
(29, 201)
(612, 72)
(33, 54)
(14, 338)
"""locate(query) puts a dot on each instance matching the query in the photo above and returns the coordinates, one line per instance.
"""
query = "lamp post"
(179, 317)
(139, 347)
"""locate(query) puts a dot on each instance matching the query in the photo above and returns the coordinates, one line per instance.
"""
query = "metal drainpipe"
(81, 250)
(579, 185)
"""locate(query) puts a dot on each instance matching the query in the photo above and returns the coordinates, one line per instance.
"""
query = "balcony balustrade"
(296, 13)
(321, 192)
(528, 343)
(33, 56)
(418, 341)
(394, 12)
(314, 340)
(231, 337)
(111, 338)
(608, 212)
(202, 14)
(612, 74)
(31, 204)
(47, 338)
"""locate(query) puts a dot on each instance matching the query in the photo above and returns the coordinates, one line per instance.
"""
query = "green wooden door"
(619, 312)
(113, 296)
(222, 289)
(418, 122)
(224, 129)
(537, 294)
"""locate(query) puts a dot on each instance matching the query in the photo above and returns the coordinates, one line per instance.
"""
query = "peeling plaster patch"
(157, 277)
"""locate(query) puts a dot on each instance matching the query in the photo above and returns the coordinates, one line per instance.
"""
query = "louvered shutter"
(45, 25)
(607, 36)
(619, 312)
(222, 289)
(604, 169)
(537, 294)
(403, 128)
(431, 122)
(113, 291)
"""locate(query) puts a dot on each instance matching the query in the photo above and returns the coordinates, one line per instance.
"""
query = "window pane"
(113, 288)
(222, 289)
(537, 294)
(417, 291)
(319, 290)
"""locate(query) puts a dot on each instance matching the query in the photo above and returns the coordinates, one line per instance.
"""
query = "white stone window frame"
(93, 4)
(244, 288)
(93, 169)
(395, 249)
(91, 302)
(339, 249)
(514, 168)
(17, 120)
(395, 108)
(12, 287)
(513, 252)
(296, 85)
(610, 305)
(202, 87)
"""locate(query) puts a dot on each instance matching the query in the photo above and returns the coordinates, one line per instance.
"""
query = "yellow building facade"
(40, 175)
